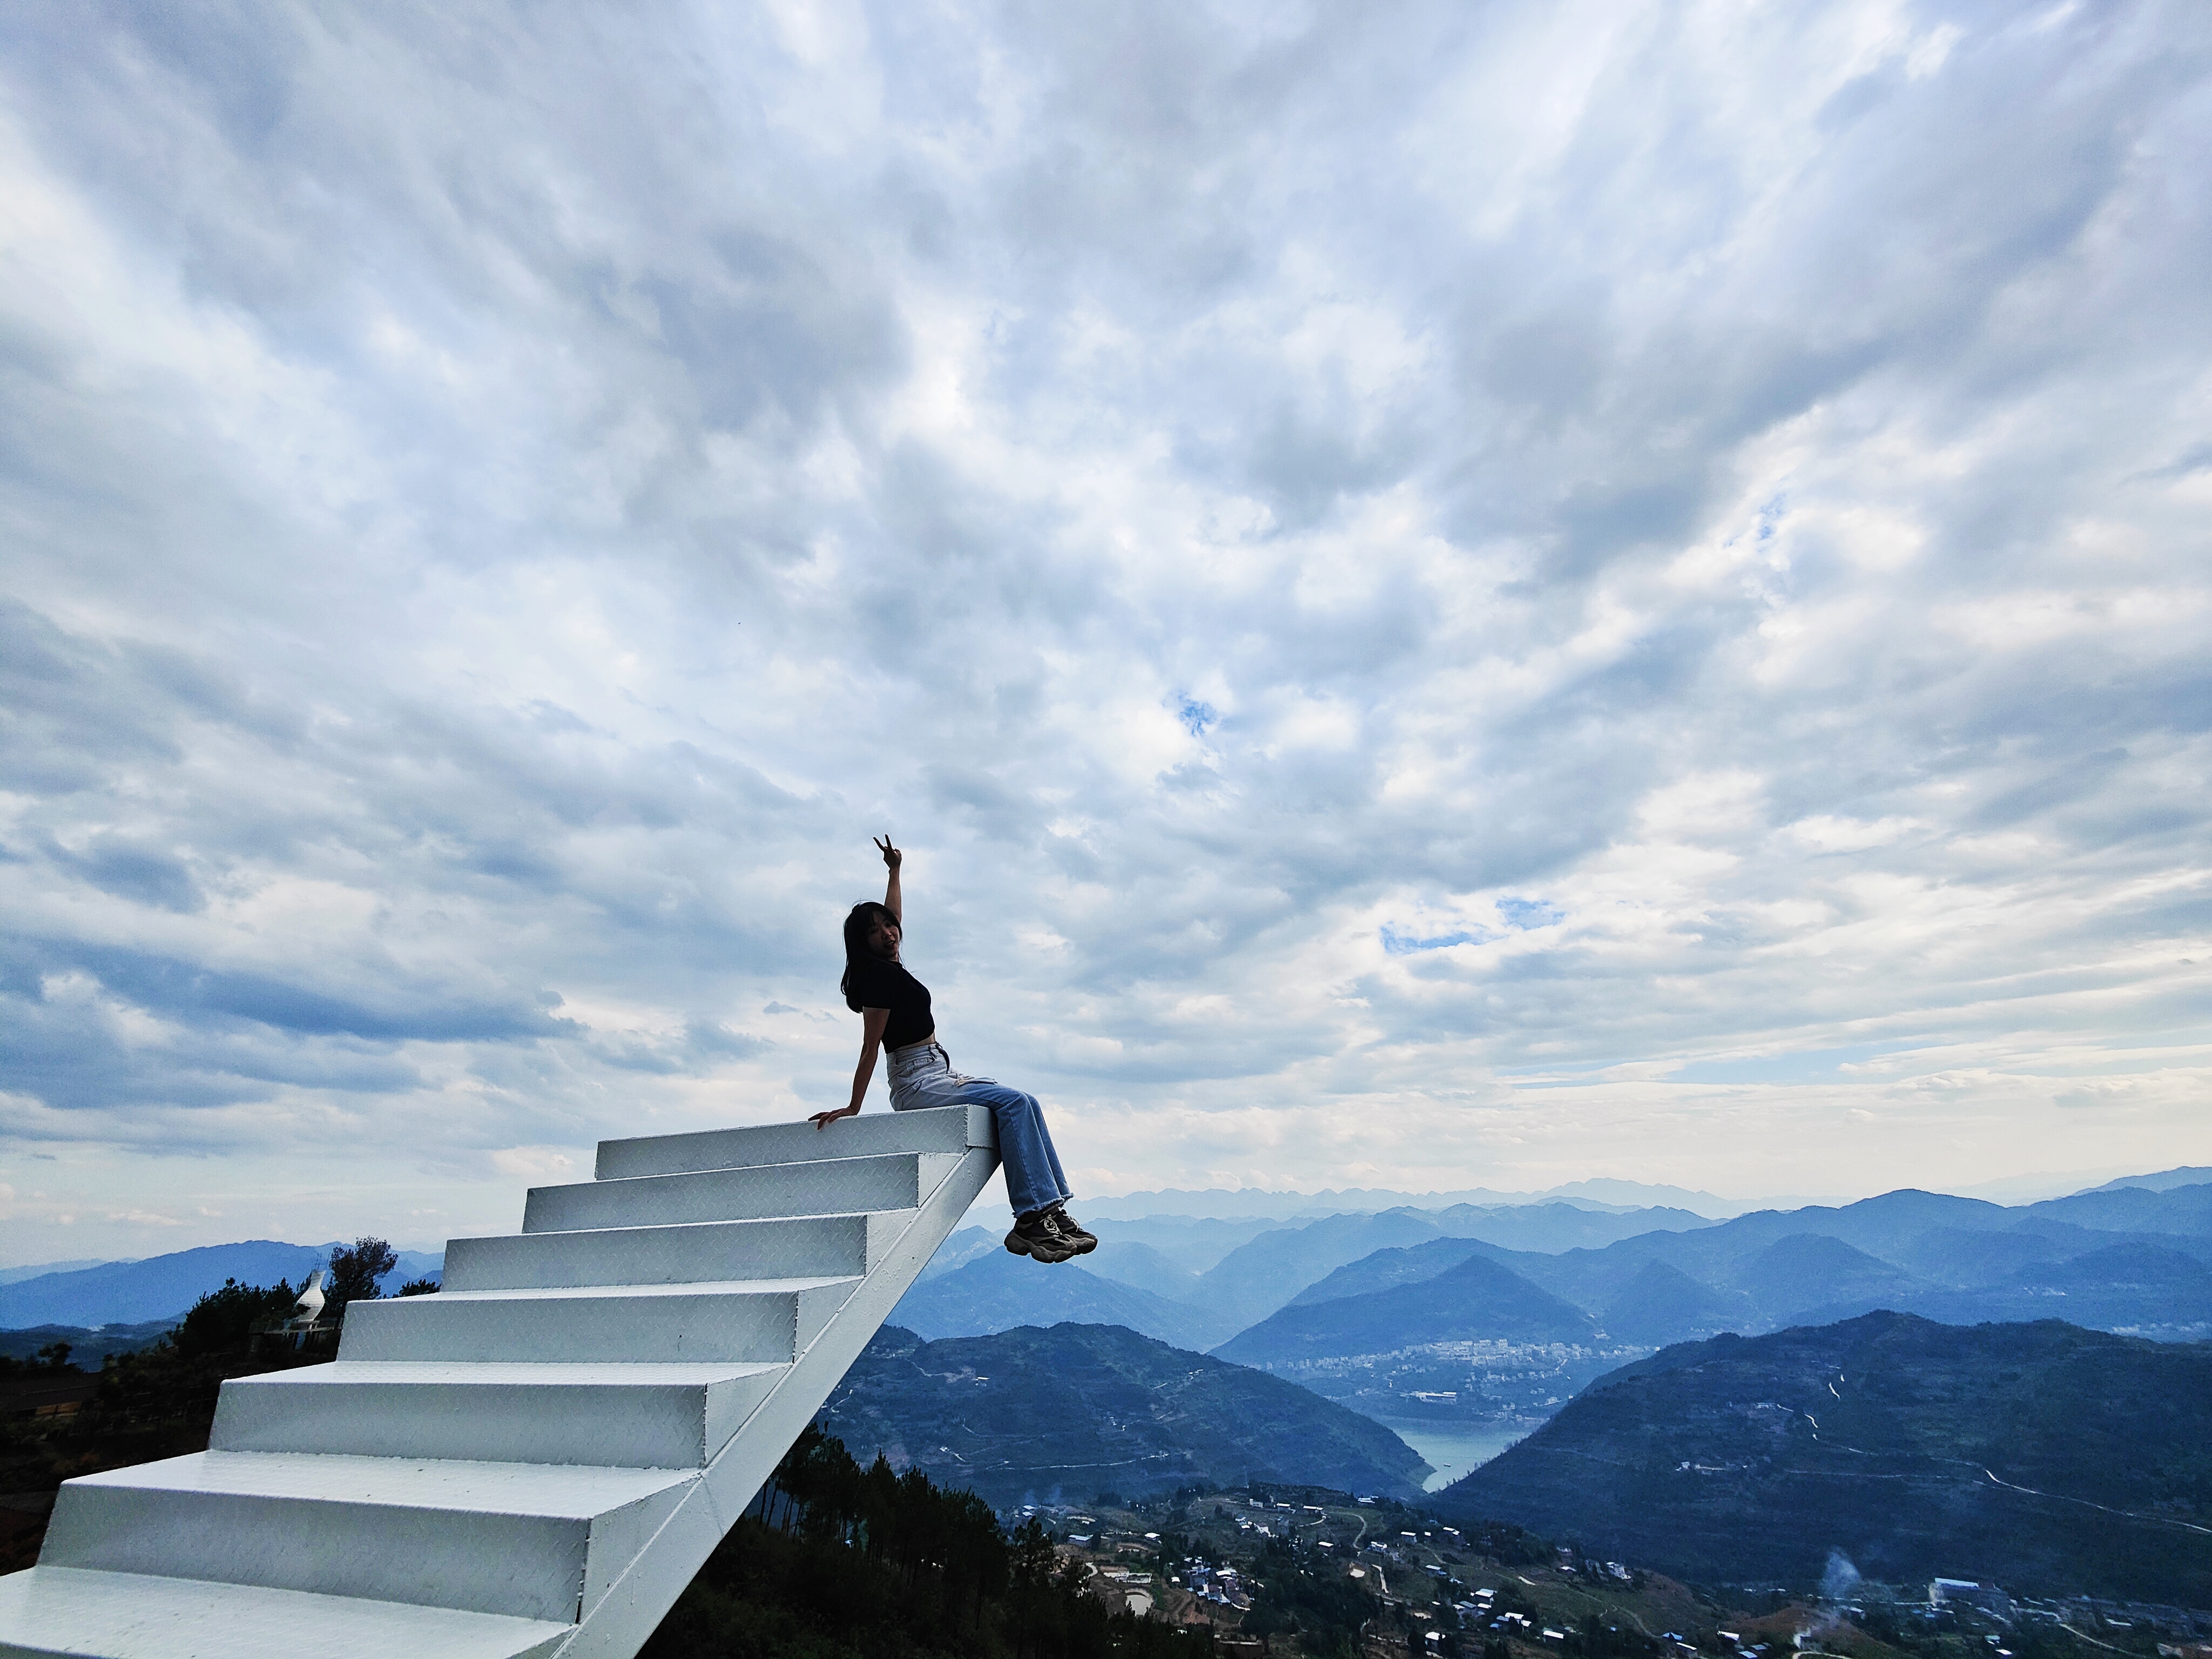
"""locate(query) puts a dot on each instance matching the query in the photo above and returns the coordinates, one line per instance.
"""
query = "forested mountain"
(2040, 1456)
(1080, 1409)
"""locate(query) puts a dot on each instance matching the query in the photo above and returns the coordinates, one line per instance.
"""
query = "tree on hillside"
(221, 1321)
(355, 1270)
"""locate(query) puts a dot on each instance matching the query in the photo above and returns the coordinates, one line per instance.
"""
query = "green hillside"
(1080, 1409)
(2045, 1456)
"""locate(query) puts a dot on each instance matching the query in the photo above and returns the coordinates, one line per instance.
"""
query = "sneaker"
(1072, 1231)
(1034, 1235)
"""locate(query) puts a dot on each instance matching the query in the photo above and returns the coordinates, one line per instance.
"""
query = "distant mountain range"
(2043, 1457)
(165, 1287)
(2188, 1175)
(37, 1270)
(1477, 1300)
(2134, 1257)
(1955, 1259)
(1600, 1195)
(1076, 1410)
(2119, 1260)
(997, 1290)
(1231, 1288)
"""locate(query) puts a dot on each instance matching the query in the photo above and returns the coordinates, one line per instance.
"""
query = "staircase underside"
(537, 1459)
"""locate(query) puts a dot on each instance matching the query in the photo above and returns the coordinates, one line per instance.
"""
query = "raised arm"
(892, 859)
(872, 1021)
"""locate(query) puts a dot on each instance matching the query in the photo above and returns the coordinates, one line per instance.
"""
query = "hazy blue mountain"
(1644, 1194)
(1194, 1244)
(2188, 1175)
(1751, 1274)
(1599, 1193)
(1915, 1448)
(1872, 1224)
(41, 1269)
(1000, 1290)
(2134, 1289)
(1126, 1261)
(1810, 1270)
(963, 1248)
(1382, 1269)
(2080, 1241)
(1479, 1300)
(1076, 1410)
(164, 1286)
(1256, 1279)
(1954, 1259)
(1662, 1305)
(2133, 1209)
(1883, 1228)
(1554, 1227)
(1226, 1203)
(1957, 1256)
(1164, 1257)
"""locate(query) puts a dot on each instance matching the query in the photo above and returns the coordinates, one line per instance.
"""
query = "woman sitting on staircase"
(894, 1009)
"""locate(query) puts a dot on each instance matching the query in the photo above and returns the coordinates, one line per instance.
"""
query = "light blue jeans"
(921, 1076)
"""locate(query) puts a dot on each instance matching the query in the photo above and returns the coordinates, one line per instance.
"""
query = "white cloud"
(1682, 528)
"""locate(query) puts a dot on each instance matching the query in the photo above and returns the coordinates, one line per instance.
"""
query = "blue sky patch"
(1522, 913)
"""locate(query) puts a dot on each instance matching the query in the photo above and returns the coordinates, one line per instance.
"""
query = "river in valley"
(1453, 1448)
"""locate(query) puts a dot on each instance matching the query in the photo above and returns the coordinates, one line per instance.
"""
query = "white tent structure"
(536, 1460)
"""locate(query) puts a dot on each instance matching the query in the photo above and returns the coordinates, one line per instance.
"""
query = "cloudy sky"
(1441, 595)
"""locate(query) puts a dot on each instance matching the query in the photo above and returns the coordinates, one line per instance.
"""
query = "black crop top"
(878, 984)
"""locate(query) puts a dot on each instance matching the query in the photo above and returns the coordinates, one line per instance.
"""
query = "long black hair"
(858, 923)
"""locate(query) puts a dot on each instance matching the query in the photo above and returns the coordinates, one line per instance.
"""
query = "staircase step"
(529, 1541)
(795, 1247)
(537, 1459)
(756, 1320)
(55, 1611)
(635, 1416)
(895, 1180)
(938, 1129)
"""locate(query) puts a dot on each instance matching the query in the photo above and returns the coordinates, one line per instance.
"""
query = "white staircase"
(536, 1460)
